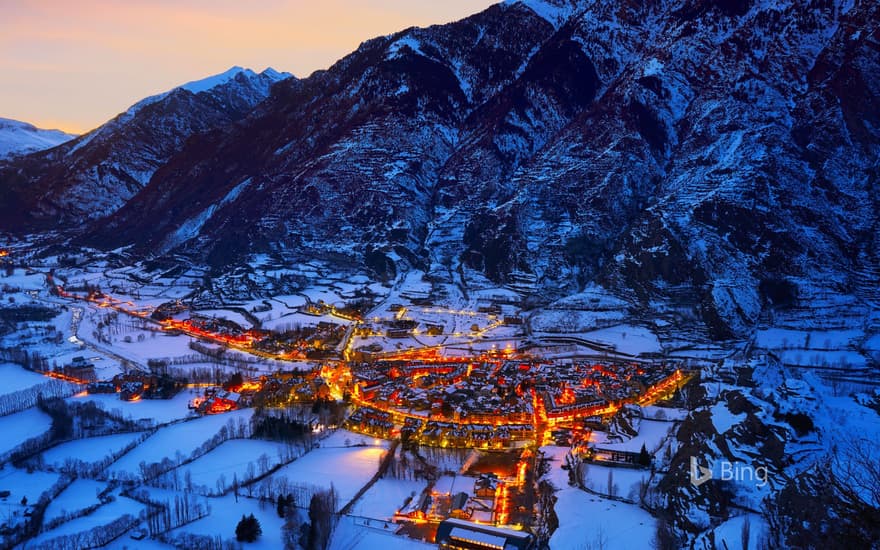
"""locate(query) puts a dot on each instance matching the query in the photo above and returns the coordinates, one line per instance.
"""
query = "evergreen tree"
(644, 458)
(248, 529)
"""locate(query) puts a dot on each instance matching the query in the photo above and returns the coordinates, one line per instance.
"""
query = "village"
(464, 406)
(506, 405)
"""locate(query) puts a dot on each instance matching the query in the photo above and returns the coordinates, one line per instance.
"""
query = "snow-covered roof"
(483, 539)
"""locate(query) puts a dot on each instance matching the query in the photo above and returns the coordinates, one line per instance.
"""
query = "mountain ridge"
(98, 172)
(21, 138)
(670, 150)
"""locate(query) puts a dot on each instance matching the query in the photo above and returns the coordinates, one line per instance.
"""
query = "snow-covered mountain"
(21, 138)
(708, 157)
(95, 174)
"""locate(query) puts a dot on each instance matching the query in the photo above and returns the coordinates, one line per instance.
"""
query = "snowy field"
(155, 345)
(159, 410)
(16, 378)
(19, 427)
(565, 321)
(90, 449)
(237, 458)
(652, 434)
(104, 515)
(386, 497)
(626, 339)
(779, 338)
(816, 358)
(230, 315)
(79, 495)
(624, 481)
(589, 521)
(23, 484)
(225, 515)
(182, 438)
(346, 468)
(364, 534)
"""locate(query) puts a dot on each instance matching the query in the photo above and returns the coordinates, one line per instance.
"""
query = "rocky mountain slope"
(95, 174)
(714, 154)
(21, 138)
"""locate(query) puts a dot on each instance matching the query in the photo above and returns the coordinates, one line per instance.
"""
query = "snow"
(564, 321)
(628, 339)
(450, 485)
(19, 427)
(302, 319)
(183, 437)
(386, 497)
(18, 138)
(729, 533)
(394, 50)
(347, 468)
(125, 542)
(654, 412)
(652, 434)
(189, 229)
(586, 520)
(553, 14)
(780, 338)
(723, 419)
(159, 410)
(653, 67)
(16, 378)
(225, 515)
(230, 460)
(205, 84)
(79, 495)
(23, 484)
(102, 516)
(362, 534)
(90, 449)
(625, 481)
(873, 343)
(234, 316)
(817, 358)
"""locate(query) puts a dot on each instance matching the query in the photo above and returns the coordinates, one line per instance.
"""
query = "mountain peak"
(205, 84)
(17, 137)
(210, 82)
(269, 72)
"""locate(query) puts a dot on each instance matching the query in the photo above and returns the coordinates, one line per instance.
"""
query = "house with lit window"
(458, 534)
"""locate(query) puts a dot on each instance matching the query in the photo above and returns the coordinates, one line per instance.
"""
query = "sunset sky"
(75, 64)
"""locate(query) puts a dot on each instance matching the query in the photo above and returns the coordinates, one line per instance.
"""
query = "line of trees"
(93, 538)
(31, 360)
(20, 400)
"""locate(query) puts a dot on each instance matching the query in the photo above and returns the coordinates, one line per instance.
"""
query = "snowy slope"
(707, 158)
(97, 172)
(19, 138)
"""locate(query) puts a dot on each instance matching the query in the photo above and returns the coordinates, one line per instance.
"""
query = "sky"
(74, 64)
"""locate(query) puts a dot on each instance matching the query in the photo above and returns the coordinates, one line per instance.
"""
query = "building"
(79, 370)
(486, 486)
(220, 403)
(457, 534)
